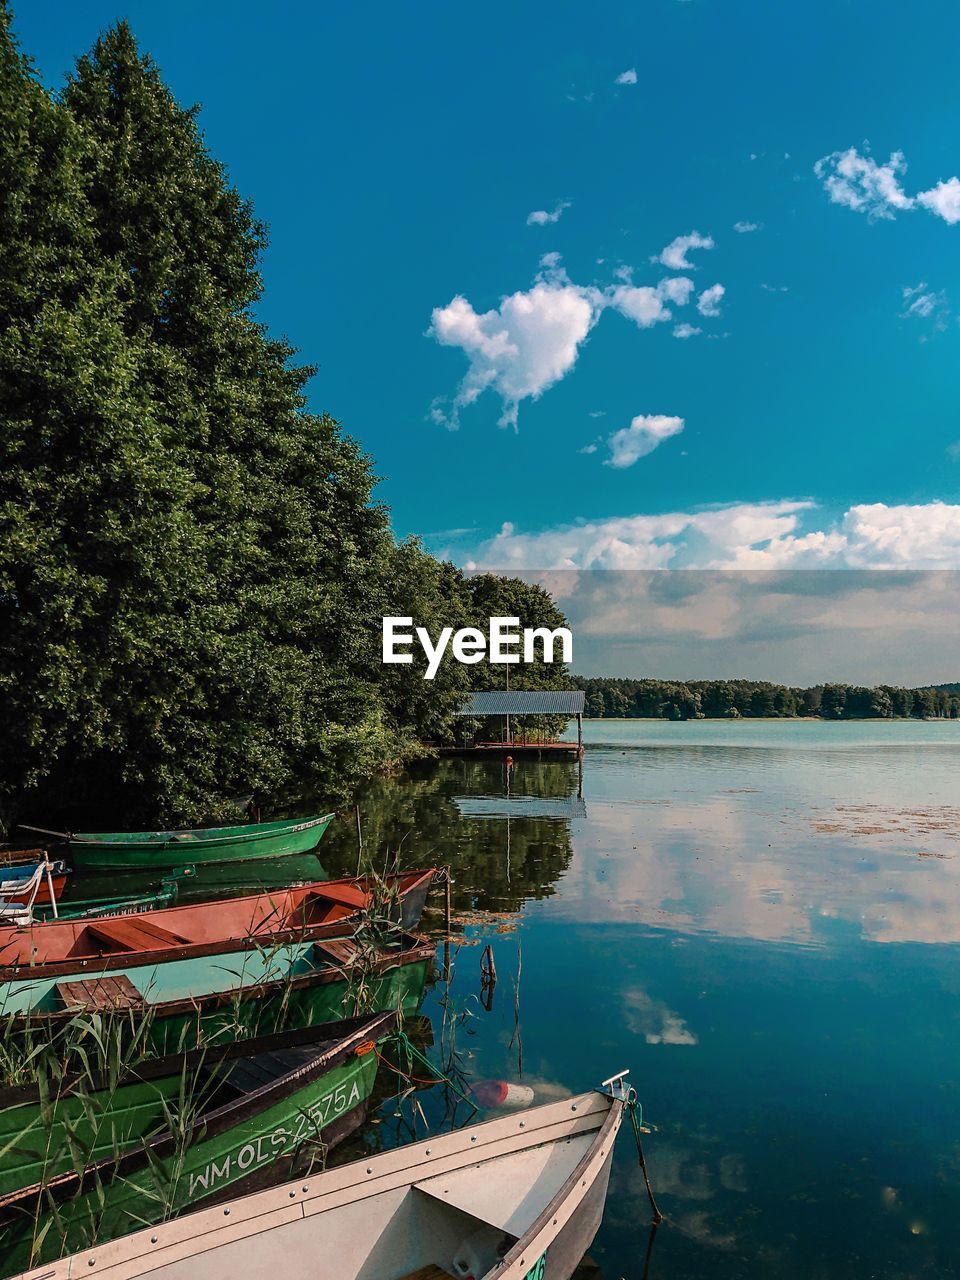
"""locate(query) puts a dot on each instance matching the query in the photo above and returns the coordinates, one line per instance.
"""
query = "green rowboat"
(296, 987)
(122, 905)
(90, 1164)
(152, 850)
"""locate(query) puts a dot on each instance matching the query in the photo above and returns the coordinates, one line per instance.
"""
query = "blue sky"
(397, 152)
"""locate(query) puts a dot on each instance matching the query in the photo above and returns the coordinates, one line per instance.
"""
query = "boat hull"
(213, 1005)
(151, 852)
(58, 950)
(11, 878)
(229, 1151)
(451, 1202)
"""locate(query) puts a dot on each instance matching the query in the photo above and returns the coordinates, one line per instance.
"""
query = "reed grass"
(92, 1054)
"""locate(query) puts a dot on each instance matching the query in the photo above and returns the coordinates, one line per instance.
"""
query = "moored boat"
(298, 985)
(152, 850)
(175, 1132)
(22, 883)
(68, 950)
(513, 1198)
(130, 904)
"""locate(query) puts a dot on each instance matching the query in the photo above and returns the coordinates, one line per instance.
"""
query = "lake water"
(760, 920)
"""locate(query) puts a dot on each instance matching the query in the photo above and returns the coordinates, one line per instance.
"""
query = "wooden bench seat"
(134, 933)
(342, 951)
(100, 995)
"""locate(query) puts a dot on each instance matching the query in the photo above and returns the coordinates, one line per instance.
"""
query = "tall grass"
(89, 1058)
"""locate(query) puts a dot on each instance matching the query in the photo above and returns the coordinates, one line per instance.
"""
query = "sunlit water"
(759, 920)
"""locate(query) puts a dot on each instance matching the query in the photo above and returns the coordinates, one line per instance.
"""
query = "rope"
(403, 1042)
(635, 1107)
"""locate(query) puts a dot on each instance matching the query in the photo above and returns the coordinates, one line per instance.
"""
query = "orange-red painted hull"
(43, 892)
(324, 909)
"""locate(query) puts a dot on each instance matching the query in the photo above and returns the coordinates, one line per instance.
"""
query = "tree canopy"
(193, 565)
(730, 699)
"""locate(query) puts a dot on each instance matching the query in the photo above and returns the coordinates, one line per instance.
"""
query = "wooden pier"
(518, 750)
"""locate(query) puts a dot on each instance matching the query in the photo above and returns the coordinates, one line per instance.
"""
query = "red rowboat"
(325, 909)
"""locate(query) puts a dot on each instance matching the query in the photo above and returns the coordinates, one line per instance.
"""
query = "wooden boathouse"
(504, 704)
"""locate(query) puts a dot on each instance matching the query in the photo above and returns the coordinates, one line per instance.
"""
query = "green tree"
(90, 495)
(192, 566)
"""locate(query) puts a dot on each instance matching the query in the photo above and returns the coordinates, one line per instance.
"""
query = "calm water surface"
(761, 921)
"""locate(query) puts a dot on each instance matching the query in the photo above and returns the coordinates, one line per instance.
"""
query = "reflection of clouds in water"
(694, 1190)
(729, 866)
(653, 1020)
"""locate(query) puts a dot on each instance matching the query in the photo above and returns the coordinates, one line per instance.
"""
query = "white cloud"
(921, 303)
(674, 255)
(859, 182)
(676, 289)
(782, 534)
(519, 349)
(644, 433)
(647, 305)
(541, 217)
(744, 228)
(627, 77)
(533, 338)
(589, 448)
(686, 330)
(708, 304)
(943, 200)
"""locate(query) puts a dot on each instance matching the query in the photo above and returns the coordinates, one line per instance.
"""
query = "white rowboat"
(515, 1198)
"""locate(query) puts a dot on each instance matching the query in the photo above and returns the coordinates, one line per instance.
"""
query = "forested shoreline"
(732, 699)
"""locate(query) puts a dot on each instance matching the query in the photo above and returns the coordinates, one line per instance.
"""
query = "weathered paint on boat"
(301, 986)
(519, 1197)
(139, 850)
(63, 949)
(317, 1083)
(15, 879)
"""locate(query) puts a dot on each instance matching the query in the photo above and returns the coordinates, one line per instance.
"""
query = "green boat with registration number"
(151, 850)
(94, 1162)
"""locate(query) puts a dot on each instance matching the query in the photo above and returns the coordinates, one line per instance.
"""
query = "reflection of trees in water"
(497, 863)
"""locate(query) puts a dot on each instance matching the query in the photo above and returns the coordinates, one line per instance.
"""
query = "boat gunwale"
(105, 961)
(207, 1228)
(414, 949)
(239, 833)
(24, 870)
(213, 1124)
(532, 1242)
(156, 1068)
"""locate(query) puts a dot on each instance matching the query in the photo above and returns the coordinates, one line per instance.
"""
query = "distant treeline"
(731, 699)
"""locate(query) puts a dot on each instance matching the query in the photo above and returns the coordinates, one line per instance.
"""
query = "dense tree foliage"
(193, 566)
(730, 699)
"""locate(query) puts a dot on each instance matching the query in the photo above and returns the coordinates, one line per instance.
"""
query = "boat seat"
(341, 895)
(133, 933)
(100, 995)
(248, 1074)
(430, 1272)
(342, 951)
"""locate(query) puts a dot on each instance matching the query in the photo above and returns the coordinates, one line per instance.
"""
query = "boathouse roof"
(525, 702)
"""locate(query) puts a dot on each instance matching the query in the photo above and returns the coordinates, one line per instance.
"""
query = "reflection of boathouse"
(506, 704)
(553, 808)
